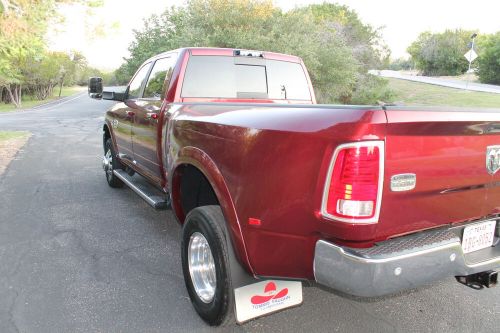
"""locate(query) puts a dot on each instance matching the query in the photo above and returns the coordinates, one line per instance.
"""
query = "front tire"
(110, 163)
(205, 264)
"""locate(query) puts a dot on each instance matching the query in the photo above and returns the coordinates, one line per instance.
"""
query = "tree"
(335, 45)
(441, 53)
(330, 61)
(366, 42)
(489, 59)
(43, 73)
(367, 50)
(22, 27)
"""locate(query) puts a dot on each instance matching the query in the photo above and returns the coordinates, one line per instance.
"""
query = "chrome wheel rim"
(107, 164)
(202, 267)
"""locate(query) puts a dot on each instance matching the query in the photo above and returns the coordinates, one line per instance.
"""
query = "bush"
(489, 59)
(400, 64)
(371, 88)
(441, 53)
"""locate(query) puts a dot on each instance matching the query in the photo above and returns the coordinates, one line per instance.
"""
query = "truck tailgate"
(447, 151)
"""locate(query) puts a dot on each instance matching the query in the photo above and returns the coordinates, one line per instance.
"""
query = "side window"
(136, 84)
(156, 86)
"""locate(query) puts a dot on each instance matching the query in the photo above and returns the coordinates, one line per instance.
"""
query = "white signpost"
(471, 55)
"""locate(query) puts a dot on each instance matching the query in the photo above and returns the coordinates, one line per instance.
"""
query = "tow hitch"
(479, 280)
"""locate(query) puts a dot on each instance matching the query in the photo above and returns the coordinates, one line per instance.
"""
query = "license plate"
(478, 236)
(262, 298)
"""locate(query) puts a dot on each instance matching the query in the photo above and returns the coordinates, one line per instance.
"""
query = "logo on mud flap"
(492, 159)
(269, 296)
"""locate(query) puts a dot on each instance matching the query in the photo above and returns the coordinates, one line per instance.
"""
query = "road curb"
(47, 105)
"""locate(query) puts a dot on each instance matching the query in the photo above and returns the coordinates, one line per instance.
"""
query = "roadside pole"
(471, 55)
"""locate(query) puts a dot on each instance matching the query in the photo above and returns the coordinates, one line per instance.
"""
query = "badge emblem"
(403, 182)
(492, 159)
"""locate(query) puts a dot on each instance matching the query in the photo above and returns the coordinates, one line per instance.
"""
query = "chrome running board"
(144, 190)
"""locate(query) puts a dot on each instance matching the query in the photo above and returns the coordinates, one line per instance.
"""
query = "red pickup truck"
(271, 186)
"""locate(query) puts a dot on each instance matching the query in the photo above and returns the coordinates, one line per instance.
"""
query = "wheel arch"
(108, 133)
(190, 158)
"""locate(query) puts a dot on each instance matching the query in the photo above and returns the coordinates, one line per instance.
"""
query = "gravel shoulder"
(10, 144)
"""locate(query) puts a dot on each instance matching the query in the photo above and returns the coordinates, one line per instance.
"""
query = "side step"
(139, 185)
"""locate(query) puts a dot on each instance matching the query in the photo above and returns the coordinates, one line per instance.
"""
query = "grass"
(8, 135)
(29, 103)
(423, 94)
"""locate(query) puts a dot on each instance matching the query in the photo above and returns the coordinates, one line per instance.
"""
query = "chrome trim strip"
(381, 146)
(147, 159)
(123, 147)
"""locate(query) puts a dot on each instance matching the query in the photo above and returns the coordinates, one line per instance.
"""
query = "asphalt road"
(79, 256)
(451, 83)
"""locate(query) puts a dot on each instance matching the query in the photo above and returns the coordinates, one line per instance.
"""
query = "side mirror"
(95, 87)
(115, 94)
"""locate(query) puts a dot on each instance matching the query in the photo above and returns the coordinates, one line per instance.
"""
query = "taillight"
(354, 184)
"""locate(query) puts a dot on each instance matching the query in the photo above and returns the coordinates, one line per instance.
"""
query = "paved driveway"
(78, 256)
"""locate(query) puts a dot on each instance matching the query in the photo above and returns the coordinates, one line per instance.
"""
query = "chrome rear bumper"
(397, 264)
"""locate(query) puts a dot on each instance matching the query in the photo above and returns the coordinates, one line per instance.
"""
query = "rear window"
(238, 77)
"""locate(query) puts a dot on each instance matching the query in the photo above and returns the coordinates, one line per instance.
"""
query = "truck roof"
(215, 51)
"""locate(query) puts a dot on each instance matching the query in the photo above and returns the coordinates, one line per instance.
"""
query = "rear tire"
(205, 264)
(110, 163)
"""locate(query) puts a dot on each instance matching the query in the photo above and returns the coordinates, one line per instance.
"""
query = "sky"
(402, 21)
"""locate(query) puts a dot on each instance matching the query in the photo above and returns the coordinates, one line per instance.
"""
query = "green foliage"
(335, 45)
(24, 62)
(400, 64)
(371, 88)
(441, 53)
(42, 73)
(365, 41)
(489, 59)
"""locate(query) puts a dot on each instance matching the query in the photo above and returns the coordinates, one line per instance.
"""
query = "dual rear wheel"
(205, 264)
(205, 256)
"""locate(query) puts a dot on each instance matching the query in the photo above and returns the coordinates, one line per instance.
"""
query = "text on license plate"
(478, 236)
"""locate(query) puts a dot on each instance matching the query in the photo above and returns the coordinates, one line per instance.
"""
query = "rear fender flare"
(199, 159)
(107, 127)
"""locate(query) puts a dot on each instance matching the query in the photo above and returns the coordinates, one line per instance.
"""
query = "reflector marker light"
(254, 221)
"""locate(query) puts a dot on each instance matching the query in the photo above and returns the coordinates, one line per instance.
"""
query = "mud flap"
(255, 298)
(265, 297)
